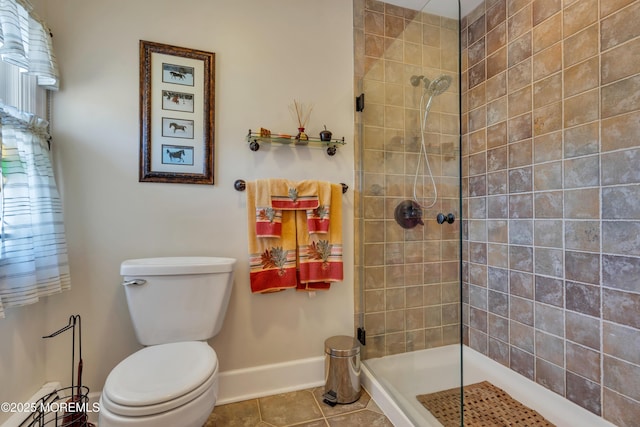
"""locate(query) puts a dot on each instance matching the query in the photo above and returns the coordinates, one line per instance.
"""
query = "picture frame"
(177, 110)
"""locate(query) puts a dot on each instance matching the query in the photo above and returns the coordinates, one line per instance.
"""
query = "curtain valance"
(25, 41)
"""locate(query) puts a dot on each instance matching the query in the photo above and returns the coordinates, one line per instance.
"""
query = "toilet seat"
(160, 378)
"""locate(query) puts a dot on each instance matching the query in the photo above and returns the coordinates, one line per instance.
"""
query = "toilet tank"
(177, 298)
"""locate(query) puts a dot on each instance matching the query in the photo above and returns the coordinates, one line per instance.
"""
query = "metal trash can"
(341, 370)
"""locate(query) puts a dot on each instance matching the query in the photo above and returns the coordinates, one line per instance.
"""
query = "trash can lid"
(342, 345)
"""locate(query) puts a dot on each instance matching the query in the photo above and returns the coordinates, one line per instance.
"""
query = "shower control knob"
(442, 218)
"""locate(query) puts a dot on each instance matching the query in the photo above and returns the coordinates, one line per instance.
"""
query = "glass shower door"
(408, 297)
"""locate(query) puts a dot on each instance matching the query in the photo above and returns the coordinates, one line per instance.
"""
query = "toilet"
(176, 304)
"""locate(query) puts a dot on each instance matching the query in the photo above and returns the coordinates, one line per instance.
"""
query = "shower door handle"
(442, 218)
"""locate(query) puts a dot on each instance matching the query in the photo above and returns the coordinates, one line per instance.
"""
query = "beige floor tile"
(289, 408)
(240, 414)
(360, 418)
(298, 409)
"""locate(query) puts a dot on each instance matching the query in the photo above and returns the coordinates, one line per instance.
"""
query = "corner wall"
(550, 187)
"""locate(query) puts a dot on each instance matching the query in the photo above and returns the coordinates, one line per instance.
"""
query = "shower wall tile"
(521, 284)
(547, 91)
(620, 132)
(581, 108)
(616, 237)
(582, 203)
(547, 176)
(582, 77)
(582, 235)
(522, 362)
(621, 342)
(543, 9)
(582, 140)
(609, 6)
(582, 266)
(549, 291)
(620, 26)
(519, 23)
(519, 49)
(581, 329)
(621, 272)
(618, 409)
(549, 262)
(547, 33)
(618, 167)
(548, 233)
(549, 319)
(548, 204)
(583, 298)
(621, 307)
(547, 147)
(622, 377)
(547, 61)
(579, 15)
(584, 393)
(621, 97)
(519, 128)
(581, 46)
(550, 376)
(583, 361)
(550, 348)
(513, 6)
(496, 14)
(620, 62)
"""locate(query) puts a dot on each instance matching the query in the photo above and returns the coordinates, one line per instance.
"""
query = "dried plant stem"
(302, 113)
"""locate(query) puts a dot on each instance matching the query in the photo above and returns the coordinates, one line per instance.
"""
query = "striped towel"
(320, 254)
(272, 260)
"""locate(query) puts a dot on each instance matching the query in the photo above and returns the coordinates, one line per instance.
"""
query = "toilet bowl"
(171, 382)
(164, 385)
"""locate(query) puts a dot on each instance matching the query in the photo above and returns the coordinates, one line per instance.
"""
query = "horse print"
(177, 128)
(177, 155)
(177, 74)
(177, 101)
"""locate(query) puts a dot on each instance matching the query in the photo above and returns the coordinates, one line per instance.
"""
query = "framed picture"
(177, 99)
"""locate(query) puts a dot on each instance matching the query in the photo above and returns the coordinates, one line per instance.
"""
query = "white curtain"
(25, 41)
(33, 249)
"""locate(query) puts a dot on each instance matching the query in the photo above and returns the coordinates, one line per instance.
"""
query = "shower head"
(438, 86)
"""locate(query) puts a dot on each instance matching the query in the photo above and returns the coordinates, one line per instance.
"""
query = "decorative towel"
(272, 261)
(320, 255)
(295, 235)
(287, 195)
(318, 218)
(268, 219)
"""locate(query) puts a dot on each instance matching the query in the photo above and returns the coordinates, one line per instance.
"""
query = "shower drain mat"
(485, 405)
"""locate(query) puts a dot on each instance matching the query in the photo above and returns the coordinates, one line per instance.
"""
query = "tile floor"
(300, 409)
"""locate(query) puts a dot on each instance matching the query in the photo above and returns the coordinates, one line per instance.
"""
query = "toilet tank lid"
(165, 266)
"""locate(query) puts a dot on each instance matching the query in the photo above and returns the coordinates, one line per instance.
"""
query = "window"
(33, 250)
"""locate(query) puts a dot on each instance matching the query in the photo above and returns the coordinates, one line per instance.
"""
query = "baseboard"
(259, 381)
(18, 418)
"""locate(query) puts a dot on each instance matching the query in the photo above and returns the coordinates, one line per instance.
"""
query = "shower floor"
(404, 376)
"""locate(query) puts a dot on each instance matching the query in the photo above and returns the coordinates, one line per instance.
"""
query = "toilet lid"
(160, 373)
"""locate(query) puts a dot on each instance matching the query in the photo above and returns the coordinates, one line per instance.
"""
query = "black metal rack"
(68, 406)
(255, 138)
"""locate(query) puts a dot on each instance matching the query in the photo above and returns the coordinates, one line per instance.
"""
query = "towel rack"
(241, 185)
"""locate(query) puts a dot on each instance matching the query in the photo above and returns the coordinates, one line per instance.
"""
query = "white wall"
(267, 54)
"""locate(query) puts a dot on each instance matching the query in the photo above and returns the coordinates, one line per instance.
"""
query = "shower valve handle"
(449, 218)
